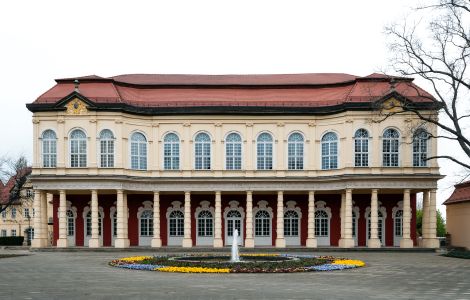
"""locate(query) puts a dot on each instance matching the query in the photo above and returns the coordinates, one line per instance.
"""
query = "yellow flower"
(352, 262)
(192, 270)
(135, 258)
(259, 254)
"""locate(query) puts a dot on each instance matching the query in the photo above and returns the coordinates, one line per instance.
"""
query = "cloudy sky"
(44, 40)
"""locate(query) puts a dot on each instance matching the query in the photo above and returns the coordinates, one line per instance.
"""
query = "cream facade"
(457, 224)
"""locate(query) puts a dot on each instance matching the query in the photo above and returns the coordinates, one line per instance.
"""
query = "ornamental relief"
(76, 107)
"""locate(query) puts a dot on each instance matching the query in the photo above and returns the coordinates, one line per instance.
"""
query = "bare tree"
(437, 49)
(14, 173)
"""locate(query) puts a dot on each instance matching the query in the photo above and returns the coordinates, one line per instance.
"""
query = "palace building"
(184, 160)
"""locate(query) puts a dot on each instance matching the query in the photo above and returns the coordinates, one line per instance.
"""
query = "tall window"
(420, 148)
(3, 233)
(89, 222)
(26, 213)
(262, 223)
(264, 151)
(138, 151)
(202, 149)
(329, 151)
(107, 149)
(361, 148)
(204, 223)
(234, 221)
(291, 223)
(13, 213)
(4, 214)
(78, 149)
(295, 152)
(146, 223)
(115, 223)
(321, 223)
(390, 148)
(380, 225)
(176, 223)
(233, 152)
(70, 223)
(171, 152)
(399, 223)
(49, 149)
(13, 232)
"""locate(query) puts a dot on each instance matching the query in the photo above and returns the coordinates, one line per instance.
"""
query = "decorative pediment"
(76, 107)
(75, 104)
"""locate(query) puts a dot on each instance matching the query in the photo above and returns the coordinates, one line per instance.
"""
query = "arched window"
(399, 223)
(291, 223)
(176, 223)
(204, 223)
(202, 151)
(88, 223)
(233, 152)
(420, 148)
(390, 146)
(321, 223)
(106, 149)
(78, 149)
(361, 148)
(329, 151)
(262, 223)
(171, 152)
(233, 222)
(138, 151)
(70, 223)
(49, 149)
(264, 151)
(146, 223)
(295, 151)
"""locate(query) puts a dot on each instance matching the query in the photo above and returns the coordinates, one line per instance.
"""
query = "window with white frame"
(329, 151)
(30, 232)
(89, 222)
(13, 213)
(146, 223)
(34, 212)
(233, 152)
(49, 149)
(176, 223)
(291, 223)
(3, 233)
(29, 193)
(295, 151)
(202, 151)
(399, 223)
(390, 147)
(321, 223)
(115, 223)
(138, 151)
(13, 232)
(70, 223)
(420, 148)
(262, 223)
(171, 152)
(26, 213)
(78, 149)
(204, 224)
(361, 148)
(380, 225)
(4, 214)
(264, 152)
(106, 149)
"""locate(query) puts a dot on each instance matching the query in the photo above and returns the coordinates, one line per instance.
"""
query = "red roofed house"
(458, 215)
(184, 160)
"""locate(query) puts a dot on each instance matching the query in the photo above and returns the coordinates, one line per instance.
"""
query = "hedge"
(11, 240)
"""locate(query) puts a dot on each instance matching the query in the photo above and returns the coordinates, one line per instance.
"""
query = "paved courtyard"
(82, 275)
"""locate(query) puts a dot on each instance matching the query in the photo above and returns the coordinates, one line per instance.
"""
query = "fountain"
(235, 254)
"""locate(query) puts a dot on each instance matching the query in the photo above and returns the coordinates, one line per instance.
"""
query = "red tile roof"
(294, 90)
(5, 190)
(460, 194)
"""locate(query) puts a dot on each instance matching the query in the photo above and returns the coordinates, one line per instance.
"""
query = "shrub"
(11, 240)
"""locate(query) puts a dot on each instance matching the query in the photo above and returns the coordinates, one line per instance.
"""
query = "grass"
(458, 254)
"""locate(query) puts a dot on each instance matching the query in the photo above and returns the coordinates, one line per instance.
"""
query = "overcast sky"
(44, 40)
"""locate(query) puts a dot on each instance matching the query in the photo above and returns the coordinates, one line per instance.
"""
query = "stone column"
(40, 239)
(45, 233)
(374, 241)
(341, 216)
(348, 241)
(249, 241)
(121, 241)
(311, 240)
(406, 241)
(62, 242)
(95, 237)
(431, 240)
(156, 240)
(280, 240)
(218, 243)
(187, 241)
(425, 220)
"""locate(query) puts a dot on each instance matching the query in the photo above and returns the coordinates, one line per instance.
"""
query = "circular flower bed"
(250, 263)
